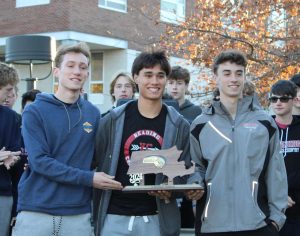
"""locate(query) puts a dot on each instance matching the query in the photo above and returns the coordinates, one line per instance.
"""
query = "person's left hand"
(162, 194)
(291, 202)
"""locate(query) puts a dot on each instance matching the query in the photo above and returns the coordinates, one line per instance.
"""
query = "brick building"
(115, 30)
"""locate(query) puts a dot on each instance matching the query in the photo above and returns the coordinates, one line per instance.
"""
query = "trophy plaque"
(160, 161)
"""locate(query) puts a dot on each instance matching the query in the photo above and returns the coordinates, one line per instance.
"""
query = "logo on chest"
(250, 126)
(87, 127)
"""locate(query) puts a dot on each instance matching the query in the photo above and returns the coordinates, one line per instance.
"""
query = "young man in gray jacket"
(141, 124)
(237, 147)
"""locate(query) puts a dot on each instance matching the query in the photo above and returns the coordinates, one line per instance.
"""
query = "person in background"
(121, 87)
(296, 107)
(177, 87)
(11, 99)
(59, 133)
(283, 98)
(236, 146)
(10, 138)
(249, 88)
(29, 97)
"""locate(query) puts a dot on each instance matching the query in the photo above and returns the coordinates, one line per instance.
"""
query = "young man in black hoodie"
(177, 87)
(282, 98)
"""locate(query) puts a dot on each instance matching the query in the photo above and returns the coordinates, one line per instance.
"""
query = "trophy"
(160, 161)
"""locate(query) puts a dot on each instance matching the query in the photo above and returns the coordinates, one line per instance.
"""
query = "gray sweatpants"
(117, 225)
(6, 203)
(40, 224)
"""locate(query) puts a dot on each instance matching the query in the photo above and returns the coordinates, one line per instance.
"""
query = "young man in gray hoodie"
(138, 125)
(236, 145)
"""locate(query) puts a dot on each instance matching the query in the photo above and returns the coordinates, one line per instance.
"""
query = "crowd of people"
(64, 164)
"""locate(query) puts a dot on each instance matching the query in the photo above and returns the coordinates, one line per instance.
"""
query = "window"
(116, 5)
(172, 11)
(96, 80)
(26, 3)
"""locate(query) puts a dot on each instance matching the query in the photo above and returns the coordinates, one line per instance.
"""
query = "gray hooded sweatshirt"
(108, 142)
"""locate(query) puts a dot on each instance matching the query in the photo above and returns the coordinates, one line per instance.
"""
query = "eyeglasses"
(283, 99)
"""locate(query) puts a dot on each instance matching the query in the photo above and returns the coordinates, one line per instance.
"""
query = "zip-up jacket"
(59, 140)
(290, 149)
(108, 143)
(241, 166)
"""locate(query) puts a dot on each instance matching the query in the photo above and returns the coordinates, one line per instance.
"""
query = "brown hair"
(179, 72)
(249, 88)
(8, 75)
(114, 81)
(233, 56)
(77, 48)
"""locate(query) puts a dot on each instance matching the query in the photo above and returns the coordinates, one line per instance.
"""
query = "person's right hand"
(290, 202)
(8, 158)
(104, 181)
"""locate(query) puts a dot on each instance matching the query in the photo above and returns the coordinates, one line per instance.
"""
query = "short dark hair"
(29, 96)
(76, 48)
(296, 79)
(179, 72)
(149, 60)
(284, 87)
(233, 56)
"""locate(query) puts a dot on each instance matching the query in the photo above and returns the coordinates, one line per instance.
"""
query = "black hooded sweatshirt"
(290, 148)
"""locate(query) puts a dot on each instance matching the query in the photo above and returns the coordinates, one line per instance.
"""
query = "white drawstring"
(285, 142)
(131, 221)
(69, 120)
(130, 225)
(286, 137)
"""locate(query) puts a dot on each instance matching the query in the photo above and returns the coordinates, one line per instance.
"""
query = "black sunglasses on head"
(283, 99)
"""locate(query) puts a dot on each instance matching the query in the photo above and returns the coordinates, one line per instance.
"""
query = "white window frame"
(173, 17)
(96, 98)
(106, 3)
(27, 3)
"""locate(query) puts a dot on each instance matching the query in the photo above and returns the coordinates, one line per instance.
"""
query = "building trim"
(105, 42)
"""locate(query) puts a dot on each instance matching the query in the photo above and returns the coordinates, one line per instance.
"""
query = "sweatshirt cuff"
(87, 178)
(279, 220)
